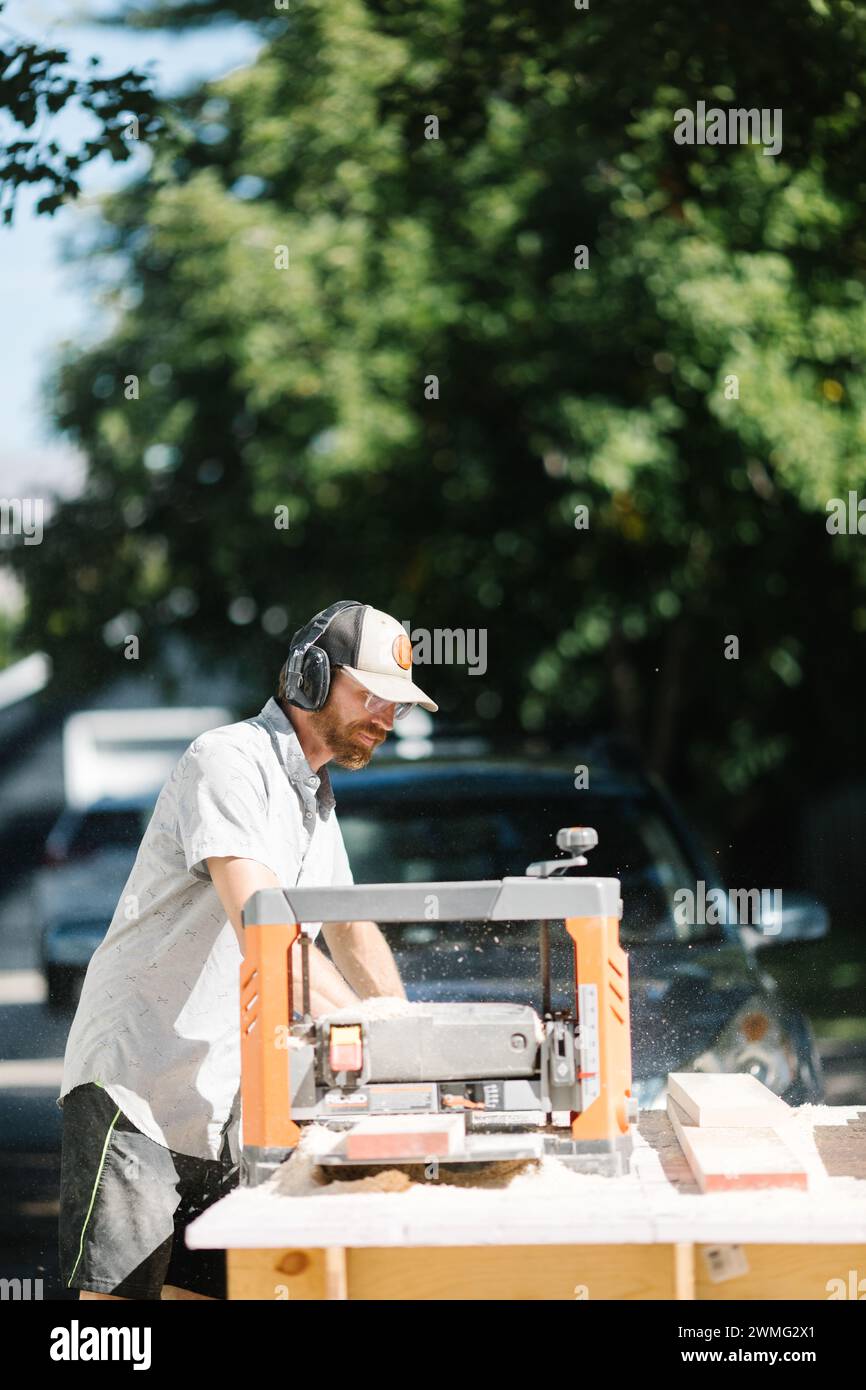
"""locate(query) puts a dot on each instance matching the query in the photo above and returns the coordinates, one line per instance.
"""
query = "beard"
(349, 749)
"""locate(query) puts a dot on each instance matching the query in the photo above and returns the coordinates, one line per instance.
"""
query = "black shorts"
(125, 1201)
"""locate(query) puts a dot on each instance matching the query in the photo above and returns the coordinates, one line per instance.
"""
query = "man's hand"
(362, 954)
(236, 880)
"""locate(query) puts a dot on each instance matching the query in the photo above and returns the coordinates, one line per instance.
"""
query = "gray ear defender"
(308, 668)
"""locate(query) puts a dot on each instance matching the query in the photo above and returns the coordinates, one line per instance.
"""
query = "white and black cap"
(374, 648)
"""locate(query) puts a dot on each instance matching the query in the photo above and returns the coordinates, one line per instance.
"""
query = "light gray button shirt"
(158, 1022)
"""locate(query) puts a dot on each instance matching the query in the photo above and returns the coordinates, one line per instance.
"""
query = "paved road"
(32, 1043)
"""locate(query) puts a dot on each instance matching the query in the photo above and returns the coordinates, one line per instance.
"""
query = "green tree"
(36, 84)
(304, 260)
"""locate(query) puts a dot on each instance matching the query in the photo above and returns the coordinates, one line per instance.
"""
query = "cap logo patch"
(401, 648)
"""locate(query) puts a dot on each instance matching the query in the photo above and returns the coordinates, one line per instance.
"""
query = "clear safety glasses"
(377, 706)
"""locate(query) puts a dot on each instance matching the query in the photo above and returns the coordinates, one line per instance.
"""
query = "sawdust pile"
(379, 1006)
(301, 1175)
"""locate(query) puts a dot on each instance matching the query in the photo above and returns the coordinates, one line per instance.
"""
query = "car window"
(109, 829)
(405, 841)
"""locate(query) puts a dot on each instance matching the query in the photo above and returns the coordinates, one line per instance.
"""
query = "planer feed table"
(450, 1082)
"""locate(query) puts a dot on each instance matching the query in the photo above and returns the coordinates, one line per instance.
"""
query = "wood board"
(734, 1158)
(393, 1136)
(730, 1100)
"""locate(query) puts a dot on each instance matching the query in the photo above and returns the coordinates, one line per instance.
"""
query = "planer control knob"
(577, 839)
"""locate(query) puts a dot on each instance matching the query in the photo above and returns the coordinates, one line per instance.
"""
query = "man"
(151, 1078)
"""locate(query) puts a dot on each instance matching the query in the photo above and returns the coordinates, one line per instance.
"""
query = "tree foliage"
(409, 258)
(36, 84)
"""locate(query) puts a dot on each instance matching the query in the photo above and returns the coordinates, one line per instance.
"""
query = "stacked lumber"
(728, 1128)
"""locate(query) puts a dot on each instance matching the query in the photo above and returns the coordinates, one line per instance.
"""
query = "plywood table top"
(546, 1204)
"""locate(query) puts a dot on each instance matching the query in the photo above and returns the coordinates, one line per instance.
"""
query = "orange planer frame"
(266, 993)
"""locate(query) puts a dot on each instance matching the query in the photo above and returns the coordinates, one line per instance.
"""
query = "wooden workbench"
(649, 1235)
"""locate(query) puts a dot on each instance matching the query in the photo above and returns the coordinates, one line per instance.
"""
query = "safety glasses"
(377, 706)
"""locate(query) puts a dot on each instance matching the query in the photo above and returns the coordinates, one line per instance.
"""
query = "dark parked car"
(88, 857)
(700, 997)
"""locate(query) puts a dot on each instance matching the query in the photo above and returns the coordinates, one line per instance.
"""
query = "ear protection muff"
(308, 667)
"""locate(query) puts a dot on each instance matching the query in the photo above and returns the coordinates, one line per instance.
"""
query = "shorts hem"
(104, 1286)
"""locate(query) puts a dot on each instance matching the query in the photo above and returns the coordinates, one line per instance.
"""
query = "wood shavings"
(381, 1180)
(303, 1176)
(379, 1006)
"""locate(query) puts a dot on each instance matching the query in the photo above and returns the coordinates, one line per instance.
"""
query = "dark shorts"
(125, 1201)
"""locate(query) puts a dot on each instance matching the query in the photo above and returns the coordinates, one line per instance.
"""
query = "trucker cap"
(374, 648)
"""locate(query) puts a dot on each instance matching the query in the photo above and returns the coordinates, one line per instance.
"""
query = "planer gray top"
(517, 899)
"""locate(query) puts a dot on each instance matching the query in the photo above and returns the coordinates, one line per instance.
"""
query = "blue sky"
(41, 301)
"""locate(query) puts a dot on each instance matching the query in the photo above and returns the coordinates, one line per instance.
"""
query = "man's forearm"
(235, 880)
(328, 989)
(364, 958)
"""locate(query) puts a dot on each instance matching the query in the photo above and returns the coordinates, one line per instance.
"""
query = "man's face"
(350, 731)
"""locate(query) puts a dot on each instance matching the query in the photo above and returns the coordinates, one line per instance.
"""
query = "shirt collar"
(293, 757)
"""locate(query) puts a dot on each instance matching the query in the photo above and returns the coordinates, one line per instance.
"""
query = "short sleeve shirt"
(157, 1024)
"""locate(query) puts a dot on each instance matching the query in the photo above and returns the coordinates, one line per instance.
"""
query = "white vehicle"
(126, 752)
